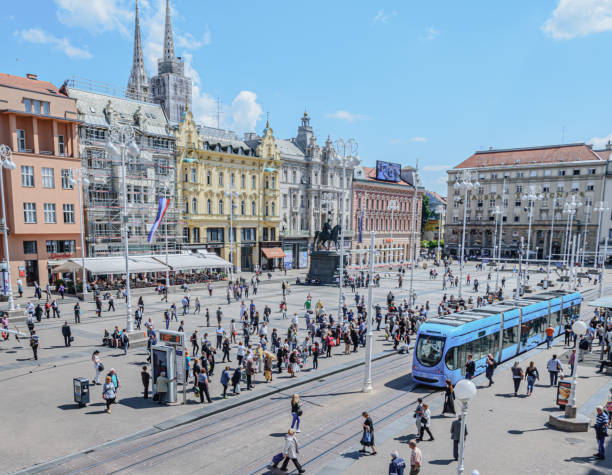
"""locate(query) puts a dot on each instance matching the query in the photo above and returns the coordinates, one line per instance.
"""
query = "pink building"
(39, 123)
(373, 200)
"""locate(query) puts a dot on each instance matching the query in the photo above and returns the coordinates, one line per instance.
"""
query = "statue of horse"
(335, 236)
(323, 236)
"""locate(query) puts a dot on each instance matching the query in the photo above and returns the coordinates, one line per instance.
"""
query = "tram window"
(537, 325)
(478, 348)
(451, 359)
(429, 349)
(510, 336)
(575, 311)
(556, 319)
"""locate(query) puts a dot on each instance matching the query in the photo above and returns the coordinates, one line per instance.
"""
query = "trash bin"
(81, 391)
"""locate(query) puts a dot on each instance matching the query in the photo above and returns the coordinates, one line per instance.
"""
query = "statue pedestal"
(324, 266)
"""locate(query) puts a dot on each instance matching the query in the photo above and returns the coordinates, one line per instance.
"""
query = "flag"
(162, 207)
(360, 227)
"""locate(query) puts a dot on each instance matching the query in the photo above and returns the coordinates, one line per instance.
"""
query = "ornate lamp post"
(5, 159)
(346, 155)
(531, 198)
(465, 391)
(570, 207)
(78, 176)
(121, 143)
(231, 195)
(413, 239)
(600, 208)
(392, 206)
(466, 181)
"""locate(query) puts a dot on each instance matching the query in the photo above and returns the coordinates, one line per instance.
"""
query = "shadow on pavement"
(278, 434)
(551, 409)
(135, 402)
(441, 462)
(69, 407)
(406, 438)
(404, 383)
(520, 432)
(355, 455)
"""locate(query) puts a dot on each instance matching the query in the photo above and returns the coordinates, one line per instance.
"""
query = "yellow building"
(215, 168)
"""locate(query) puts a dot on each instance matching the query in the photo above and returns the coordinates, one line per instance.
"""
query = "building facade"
(39, 123)
(224, 184)
(149, 176)
(311, 191)
(505, 178)
(396, 231)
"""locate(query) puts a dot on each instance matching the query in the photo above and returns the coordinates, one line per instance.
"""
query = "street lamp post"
(579, 328)
(413, 247)
(392, 206)
(78, 176)
(466, 180)
(497, 212)
(5, 158)
(570, 207)
(346, 155)
(166, 191)
(231, 195)
(531, 198)
(501, 233)
(599, 208)
(584, 233)
(465, 391)
(603, 269)
(552, 232)
(367, 380)
(121, 143)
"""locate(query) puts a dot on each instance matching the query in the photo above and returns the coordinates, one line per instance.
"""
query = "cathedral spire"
(138, 83)
(168, 41)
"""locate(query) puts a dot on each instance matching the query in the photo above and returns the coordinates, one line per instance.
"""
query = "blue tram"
(503, 329)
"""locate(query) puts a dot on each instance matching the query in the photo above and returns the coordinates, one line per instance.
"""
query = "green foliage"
(426, 211)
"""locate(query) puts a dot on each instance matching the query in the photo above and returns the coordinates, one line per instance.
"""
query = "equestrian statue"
(326, 236)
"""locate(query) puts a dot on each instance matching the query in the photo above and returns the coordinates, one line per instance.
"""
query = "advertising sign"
(388, 171)
(288, 262)
(303, 259)
(177, 341)
(563, 392)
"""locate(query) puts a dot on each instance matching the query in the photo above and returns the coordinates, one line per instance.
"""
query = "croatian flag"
(161, 212)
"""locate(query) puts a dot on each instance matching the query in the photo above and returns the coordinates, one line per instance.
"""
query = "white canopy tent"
(193, 260)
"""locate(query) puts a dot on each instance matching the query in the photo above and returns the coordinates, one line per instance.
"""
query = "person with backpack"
(397, 464)
(98, 366)
(34, 341)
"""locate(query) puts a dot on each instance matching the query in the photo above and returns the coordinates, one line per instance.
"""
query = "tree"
(426, 211)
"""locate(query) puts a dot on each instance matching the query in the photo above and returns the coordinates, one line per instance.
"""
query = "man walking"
(470, 368)
(601, 432)
(66, 333)
(455, 431)
(125, 340)
(550, 333)
(416, 458)
(554, 366)
(34, 344)
(146, 377)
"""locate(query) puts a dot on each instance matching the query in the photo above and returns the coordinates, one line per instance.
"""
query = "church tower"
(138, 83)
(170, 87)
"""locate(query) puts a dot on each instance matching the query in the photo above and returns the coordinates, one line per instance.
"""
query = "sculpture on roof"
(109, 112)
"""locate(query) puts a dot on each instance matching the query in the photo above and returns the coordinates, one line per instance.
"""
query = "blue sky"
(432, 81)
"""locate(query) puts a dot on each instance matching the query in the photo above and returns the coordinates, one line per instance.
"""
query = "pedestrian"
(109, 393)
(77, 312)
(532, 375)
(250, 371)
(203, 386)
(111, 303)
(225, 380)
(550, 333)
(367, 438)
(470, 368)
(296, 412)
(455, 431)
(572, 362)
(161, 387)
(20, 287)
(236, 379)
(195, 348)
(268, 359)
(34, 341)
(290, 451)
(315, 356)
(66, 333)
(146, 377)
(491, 364)
(554, 366)
(425, 423)
(601, 432)
(98, 366)
(226, 350)
(125, 341)
(517, 376)
(449, 398)
(418, 414)
(397, 464)
(416, 458)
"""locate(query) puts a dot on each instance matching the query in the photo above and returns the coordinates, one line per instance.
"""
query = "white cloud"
(436, 168)
(382, 17)
(419, 139)
(98, 16)
(41, 37)
(443, 180)
(395, 141)
(346, 115)
(245, 111)
(600, 142)
(188, 41)
(574, 18)
(431, 33)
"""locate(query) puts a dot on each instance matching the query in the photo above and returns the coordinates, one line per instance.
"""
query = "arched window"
(209, 207)
(186, 207)
(242, 208)
(233, 179)
(220, 206)
(273, 209)
(208, 177)
(194, 205)
(267, 210)
(253, 208)
(243, 181)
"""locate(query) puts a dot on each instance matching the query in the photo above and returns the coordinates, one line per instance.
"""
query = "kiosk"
(164, 360)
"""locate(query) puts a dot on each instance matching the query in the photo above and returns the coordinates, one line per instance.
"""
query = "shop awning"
(112, 265)
(273, 252)
(194, 260)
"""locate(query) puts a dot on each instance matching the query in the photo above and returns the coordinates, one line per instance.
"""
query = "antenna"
(563, 134)
(219, 104)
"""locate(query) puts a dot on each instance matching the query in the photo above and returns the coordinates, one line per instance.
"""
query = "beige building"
(556, 175)
(39, 123)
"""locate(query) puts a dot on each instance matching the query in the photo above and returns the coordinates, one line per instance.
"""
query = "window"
(561, 172)
(242, 208)
(209, 206)
(220, 178)
(49, 209)
(29, 212)
(29, 247)
(193, 175)
(517, 204)
(48, 180)
(186, 207)
(45, 108)
(185, 234)
(272, 234)
(265, 234)
(60, 246)
(253, 182)
(243, 181)
(61, 146)
(253, 208)
(429, 349)
(208, 177)
(267, 183)
(576, 172)
(196, 234)
(28, 105)
(533, 173)
(546, 189)
(273, 181)
(66, 179)
(519, 188)
(194, 205)
(294, 176)
(21, 140)
(273, 209)
(592, 171)
(220, 206)
(68, 213)
(547, 172)
(232, 179)
(517, 219)
(185, 176)
(248, 234)
(214, 234)
(27, 176)
(520, 174)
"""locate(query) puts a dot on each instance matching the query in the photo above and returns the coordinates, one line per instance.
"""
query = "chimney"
(34, 77)
(609, 145)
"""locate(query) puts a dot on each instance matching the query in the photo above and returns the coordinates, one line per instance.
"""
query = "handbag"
(71, 339)
(423, 420)
(100, 367)
(277, 458)
(367, 438)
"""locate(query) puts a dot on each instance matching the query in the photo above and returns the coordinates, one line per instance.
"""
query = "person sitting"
(106, 340)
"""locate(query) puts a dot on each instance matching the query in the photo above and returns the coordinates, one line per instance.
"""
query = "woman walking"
(449, 398)
(98, 366)
(367, 439)
(532, 375)
(491, 363)
(290, 452)
(517, 377)
(296, 411)
(108, 393)
(425, 423)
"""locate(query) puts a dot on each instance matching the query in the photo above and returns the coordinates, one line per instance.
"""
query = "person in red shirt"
(550, 333)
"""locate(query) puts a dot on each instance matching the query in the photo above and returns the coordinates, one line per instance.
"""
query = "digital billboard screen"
(388, 171)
